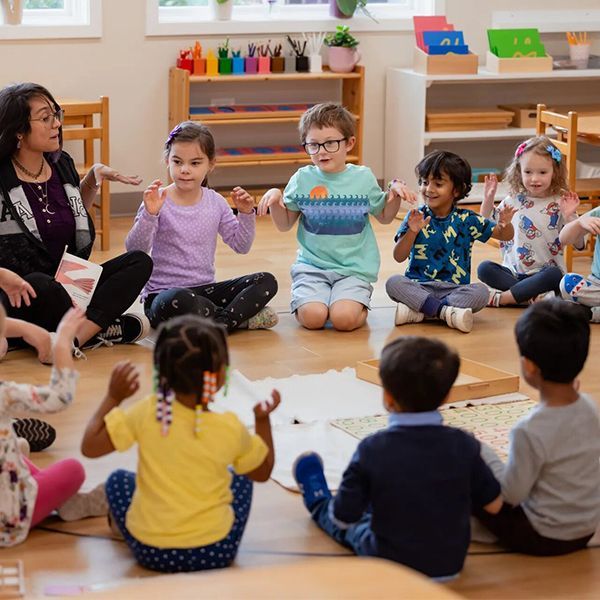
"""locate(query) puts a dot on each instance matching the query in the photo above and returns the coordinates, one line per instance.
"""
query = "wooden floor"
(279, 530)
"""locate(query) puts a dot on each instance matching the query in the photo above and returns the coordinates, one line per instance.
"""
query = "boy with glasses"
(338, 258)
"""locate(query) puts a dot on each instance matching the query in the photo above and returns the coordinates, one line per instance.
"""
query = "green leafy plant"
(341, 37)
(349, 7)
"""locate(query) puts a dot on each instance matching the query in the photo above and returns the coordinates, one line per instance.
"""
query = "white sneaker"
(595, 314)
(458, 318)
(405, 314)
(542, 297)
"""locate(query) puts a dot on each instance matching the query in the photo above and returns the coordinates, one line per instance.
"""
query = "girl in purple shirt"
(178, 226)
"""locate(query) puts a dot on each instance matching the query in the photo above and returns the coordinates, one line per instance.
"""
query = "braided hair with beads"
(190, 353)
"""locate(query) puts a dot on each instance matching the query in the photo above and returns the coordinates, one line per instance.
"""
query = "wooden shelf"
(250, 160)
(246, 119)
(479, 134)
(326, 74)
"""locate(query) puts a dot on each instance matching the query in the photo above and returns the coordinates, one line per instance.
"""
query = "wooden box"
(524, 64)
(475, 380)
(466, 119)
(525, 115)
(445, 64)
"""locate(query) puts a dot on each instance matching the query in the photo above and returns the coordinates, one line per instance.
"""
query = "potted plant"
(344, 9)
(220, 10)
(342, 51)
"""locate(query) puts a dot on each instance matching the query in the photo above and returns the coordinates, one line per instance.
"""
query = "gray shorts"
(311, 284)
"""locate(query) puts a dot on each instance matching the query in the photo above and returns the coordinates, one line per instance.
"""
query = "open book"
(79, 277)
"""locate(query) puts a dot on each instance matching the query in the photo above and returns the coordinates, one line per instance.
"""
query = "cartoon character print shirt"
(537, 223)
(442, 249)
(334, 231)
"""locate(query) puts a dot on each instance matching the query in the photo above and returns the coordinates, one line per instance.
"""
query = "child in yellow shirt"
(183, 510)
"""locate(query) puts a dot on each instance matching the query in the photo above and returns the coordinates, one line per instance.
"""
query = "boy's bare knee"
(313, 315)
(345, 318)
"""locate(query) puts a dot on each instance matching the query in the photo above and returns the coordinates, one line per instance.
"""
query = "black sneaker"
(39, 434)
(126, 329)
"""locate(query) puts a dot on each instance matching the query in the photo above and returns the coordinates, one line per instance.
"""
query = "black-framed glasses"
(48, 120)
(312, 148)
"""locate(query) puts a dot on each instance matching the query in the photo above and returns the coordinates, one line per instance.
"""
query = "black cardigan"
(20, 250)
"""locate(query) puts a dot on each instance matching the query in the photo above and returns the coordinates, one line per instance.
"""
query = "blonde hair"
(542, 146)
(327, 114)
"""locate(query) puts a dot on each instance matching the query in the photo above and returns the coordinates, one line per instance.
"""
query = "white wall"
(133, 71)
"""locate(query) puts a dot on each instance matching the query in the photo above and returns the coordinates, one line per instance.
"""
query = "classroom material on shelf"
(244, 111)
(516, 51)
(489, 423)
(440, 48)
(579, 48)
(12, 579)
(475, 379)
(524, 115)
(465, 119)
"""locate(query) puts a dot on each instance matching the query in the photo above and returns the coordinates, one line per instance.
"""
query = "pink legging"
(56, 484)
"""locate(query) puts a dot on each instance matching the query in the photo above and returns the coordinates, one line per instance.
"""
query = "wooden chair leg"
(105, 216)
(568, 255)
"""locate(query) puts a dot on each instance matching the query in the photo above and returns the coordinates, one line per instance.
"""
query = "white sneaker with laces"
(595, 314)
(458, 318)
(405, 314)
(126, 329)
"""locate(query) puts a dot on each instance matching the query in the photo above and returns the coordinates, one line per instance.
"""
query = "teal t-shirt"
(595, 212)
(334, 231)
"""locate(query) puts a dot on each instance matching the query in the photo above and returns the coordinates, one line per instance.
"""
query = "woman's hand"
(154, 197)
(242, 200)
(16, 288)
(102, 172)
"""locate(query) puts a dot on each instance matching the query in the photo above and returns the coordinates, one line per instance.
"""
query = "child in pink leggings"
(29, 494)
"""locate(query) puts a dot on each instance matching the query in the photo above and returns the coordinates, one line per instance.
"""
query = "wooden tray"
(536, 64)
(457, 119)
(525, 115)
(475, 380)
(444, 64)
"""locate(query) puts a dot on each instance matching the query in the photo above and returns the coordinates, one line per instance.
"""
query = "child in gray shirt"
(551, 483)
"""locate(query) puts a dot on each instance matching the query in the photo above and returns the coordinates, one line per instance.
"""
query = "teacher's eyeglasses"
(48, 120)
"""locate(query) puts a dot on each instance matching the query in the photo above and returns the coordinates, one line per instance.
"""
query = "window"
(193, 17)
(57, 19)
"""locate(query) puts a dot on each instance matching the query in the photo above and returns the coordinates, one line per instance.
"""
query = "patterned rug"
(489, 423)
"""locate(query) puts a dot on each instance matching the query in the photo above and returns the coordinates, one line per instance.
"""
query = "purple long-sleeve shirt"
(182, 240)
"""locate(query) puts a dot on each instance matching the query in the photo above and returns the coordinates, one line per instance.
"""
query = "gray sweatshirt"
(553, 469)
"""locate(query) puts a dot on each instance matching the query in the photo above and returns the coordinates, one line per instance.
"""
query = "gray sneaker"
(405, 314)
(458, 318)
(85, 504)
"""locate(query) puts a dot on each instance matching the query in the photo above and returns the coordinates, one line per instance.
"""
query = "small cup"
(580, 54)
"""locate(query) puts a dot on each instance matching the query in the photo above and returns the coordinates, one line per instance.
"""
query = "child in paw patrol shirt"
(532, 262)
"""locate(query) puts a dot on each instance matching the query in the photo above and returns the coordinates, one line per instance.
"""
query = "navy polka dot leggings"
(119, 492)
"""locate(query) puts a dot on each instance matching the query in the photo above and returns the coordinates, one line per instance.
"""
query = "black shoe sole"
(39, 434)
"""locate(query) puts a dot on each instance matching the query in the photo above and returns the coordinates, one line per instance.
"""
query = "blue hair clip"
(554, 152)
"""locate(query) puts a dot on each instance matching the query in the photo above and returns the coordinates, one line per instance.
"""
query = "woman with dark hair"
(43, 209)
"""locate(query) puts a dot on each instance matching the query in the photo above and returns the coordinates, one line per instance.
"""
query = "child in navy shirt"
(409, 489)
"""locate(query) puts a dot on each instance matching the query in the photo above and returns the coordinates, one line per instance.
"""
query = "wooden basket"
(534, 64)
(445, 64)
(475, 380)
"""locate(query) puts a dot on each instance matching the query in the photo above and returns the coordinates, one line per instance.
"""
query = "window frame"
(185, 21)
(78, 19)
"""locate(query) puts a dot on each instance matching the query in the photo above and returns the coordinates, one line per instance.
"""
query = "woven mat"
(490, 423)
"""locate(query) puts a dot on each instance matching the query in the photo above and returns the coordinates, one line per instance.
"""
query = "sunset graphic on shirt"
(319, 192)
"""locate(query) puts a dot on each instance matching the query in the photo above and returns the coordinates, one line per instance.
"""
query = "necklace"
(27, 172)
(38, 189)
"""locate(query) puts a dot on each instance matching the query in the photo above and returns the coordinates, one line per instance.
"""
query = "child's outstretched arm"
(574, 232)
(398, 191)
(504, 229)
(262, 426)
(283, 218)
(416, 222)
(124, 382)
(34, 335)
(490, 187)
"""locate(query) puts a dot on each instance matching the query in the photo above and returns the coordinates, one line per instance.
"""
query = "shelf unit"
(410, 94)
(350, 93)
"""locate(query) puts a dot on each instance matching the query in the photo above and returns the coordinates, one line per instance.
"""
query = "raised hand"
(124, 381)
(102, 172)
(271, 197)
(16, 288)
(506, 214)
(242, 200)
(399, 188)
(591, 224)
(490, 186)
(265, 408)
(416, 220)
(69, 325)
(154, 197)
(568, 204)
